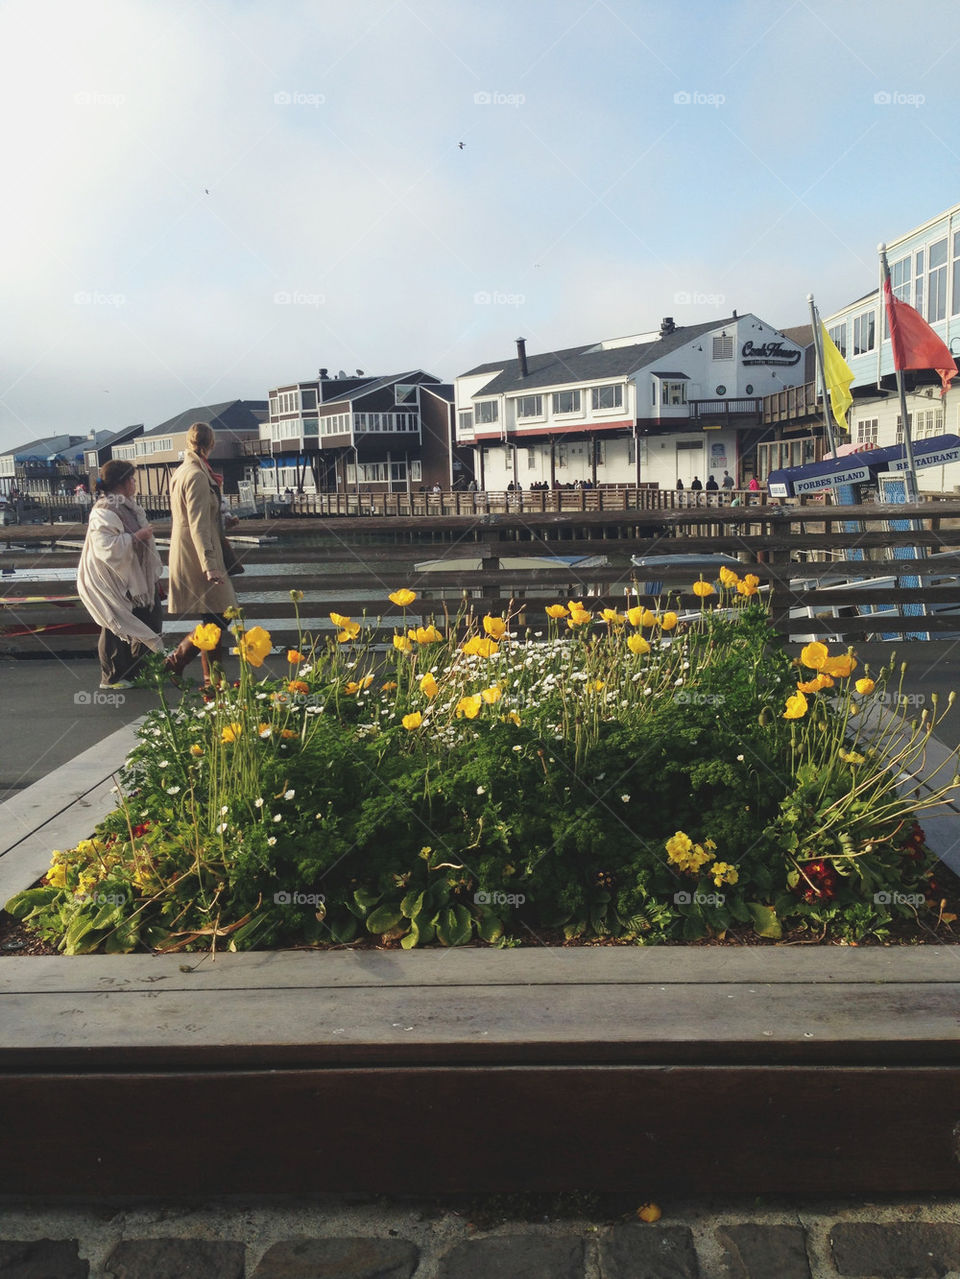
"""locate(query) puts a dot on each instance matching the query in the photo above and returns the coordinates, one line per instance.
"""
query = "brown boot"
(211, 661)
(181, 657)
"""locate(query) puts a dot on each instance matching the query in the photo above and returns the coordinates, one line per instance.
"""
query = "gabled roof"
(592, 363)
(48, 445)
(800, 335)
(232, 415)
(443, 390)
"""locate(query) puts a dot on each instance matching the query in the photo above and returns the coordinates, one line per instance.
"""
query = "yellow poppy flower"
(494, 626)
(287, 733)
(429, 686)
(254, 645)
(425, 634)
(796, 707)
(402, 643)
(579, 616)
(612, 617)
(231, 732)
(814, 655)
(390, 685)
(412, 721)
(637, 644)
(481, 647)
(298, 686)
(295, 658)
(350, 632)
(206, 637)
(556, 611)
(728, 577)
(815, 685)
(491, 694)
(403, 597)
(865, 686)
(668, 621)
(747, 588)
(841, 666)
(513, 717)
(470, 706)
(195, 749)
(702, 589)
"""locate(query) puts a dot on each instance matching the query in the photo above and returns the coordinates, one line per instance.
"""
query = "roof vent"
(323, 373)
(522, 356)
(667, 326)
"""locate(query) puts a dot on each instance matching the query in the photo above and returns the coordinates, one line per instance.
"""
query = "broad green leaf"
(383, 918)
(21, 904)
(765, 922)
(412, 904)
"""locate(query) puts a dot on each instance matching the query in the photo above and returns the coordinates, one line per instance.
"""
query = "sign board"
(246, 493)
(940, 458)
(817, 483)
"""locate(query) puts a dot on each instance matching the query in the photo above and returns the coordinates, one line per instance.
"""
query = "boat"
(675, 572)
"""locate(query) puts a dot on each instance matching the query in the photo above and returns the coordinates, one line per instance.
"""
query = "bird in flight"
(461, 145)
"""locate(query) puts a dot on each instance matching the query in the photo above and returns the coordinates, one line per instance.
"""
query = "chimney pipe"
(667, 326)
(522, 355)
(323, 373)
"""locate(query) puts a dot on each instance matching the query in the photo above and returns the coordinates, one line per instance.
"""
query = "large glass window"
(488, 411)
(937, 282)
(606, 397)
(674, 393)
(838, 336)
(864, 332)
(529, 406)
(405, 393)
(566, 402)
(918, 281)
(465, 417)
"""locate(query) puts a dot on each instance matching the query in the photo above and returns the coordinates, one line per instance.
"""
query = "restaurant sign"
(769, 353)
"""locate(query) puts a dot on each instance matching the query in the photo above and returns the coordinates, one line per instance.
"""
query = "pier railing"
(848, 573)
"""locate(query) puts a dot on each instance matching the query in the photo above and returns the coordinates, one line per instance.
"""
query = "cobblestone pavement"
(357, 1237)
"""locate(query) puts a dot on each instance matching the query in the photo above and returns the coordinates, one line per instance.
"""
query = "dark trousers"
(120, 660)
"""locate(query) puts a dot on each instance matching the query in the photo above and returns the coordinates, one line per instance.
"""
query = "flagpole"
(818, 349)
(910, 471)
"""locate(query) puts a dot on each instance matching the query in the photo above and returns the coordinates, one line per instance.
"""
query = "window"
(918, 286)
(867, 431)
(937, 282)
(606, 397)
(309, 398)
(405, 393)
(566, 402)
(864, 327)
(838, 336)
(631, 451)
(955, 309)
(723, 347)
(600, 452)
(274, 405)
(415, 470)
(311, 426)
(923, 425)
(529, 406)
(488, 411)
(900, 279)
(531, 459)
(674, 393)
(465, 417)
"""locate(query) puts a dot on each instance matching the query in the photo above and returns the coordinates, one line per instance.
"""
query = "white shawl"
(116, 575)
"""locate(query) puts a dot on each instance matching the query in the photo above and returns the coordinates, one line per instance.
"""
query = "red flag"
(914, 343)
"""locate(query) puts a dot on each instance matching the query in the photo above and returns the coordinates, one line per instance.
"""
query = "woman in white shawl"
(118, 577)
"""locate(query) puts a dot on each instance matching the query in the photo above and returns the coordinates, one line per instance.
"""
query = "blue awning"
(861, 468)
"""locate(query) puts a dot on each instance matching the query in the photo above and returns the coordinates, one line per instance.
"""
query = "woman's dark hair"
(113, 474)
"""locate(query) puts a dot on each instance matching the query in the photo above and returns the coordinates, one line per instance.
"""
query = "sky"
(205, 199)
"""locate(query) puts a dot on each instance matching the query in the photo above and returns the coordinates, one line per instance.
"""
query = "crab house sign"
(769, 353)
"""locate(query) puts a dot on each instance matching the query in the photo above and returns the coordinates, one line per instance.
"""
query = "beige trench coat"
(196, 543)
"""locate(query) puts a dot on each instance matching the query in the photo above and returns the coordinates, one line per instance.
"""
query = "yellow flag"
(838, 375)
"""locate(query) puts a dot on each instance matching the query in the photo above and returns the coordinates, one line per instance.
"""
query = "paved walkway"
(354, 1237)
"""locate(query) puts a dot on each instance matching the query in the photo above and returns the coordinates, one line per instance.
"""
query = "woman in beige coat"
(199, 585)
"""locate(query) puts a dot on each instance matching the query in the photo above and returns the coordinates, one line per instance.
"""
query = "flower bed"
(620, 776)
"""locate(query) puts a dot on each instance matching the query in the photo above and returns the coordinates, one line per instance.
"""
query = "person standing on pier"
(695, 484)
(199, 585)
(118, 577)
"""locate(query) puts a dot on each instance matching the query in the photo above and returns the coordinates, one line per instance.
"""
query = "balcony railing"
(725, 409)
(792, 404)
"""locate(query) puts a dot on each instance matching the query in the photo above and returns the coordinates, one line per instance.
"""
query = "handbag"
(231, 562)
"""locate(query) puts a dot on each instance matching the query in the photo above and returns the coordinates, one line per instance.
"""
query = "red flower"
(820, 883)
(141, 829)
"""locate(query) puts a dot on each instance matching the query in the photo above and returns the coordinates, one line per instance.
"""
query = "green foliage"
(535, 799)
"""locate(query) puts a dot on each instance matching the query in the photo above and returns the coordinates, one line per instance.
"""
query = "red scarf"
(214, 475)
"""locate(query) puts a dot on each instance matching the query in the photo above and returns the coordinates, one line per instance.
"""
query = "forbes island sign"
(769, 353)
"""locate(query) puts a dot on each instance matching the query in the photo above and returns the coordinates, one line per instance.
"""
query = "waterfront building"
(158, 452)
(658, 407)
(924, 272)
(358, 433)
(57, 464)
